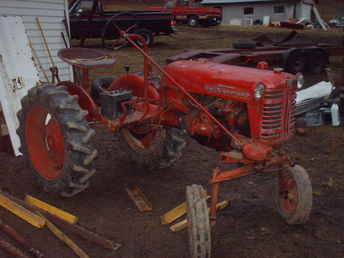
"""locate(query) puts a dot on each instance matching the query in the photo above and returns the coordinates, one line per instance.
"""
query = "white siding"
(304, 11)
(51, 14)
(234, 14)
(17, 72)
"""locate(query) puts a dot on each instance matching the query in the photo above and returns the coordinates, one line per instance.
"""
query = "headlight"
(300, 80)
(259, 91)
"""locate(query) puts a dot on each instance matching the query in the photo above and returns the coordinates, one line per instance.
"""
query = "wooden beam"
(64, 238)
(70, 218)
(175, 213)
(140, 199)
(21, 212)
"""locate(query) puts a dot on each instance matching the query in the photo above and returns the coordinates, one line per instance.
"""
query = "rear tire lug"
(76, 134)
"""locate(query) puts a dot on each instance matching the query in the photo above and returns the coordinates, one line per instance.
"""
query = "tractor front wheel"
(55, 140)
(198, 222)
(293, 195)
(152, 148)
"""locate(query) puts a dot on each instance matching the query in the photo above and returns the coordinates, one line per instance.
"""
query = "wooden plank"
(179, 225)
(64, 238)
(66, 216)
(21, 212)
(139, 198)
(184, 223)
(175, 213)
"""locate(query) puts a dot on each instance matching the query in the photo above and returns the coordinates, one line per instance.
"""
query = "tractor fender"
(136, 84)
(85, 101)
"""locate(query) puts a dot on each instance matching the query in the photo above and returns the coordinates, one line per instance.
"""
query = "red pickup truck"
(191, 12)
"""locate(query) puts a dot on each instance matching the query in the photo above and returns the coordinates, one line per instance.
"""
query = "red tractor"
(245, 113)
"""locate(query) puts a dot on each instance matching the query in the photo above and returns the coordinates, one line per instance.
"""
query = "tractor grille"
(278, 116)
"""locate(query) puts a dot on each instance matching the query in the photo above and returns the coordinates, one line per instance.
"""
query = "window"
(248, 10)
(279, 9)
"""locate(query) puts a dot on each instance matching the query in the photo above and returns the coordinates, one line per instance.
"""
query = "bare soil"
(249, 228)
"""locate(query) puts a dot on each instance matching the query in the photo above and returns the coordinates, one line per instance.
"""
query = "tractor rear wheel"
(152, 148)
(293, 195)
(55, 140)
(198, 222)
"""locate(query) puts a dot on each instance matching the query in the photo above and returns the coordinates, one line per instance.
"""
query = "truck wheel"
(318, 62)
(193, 21)
(55, 140)
(153, 148)
(147, 35)
(198, 222)
(296, 62)
(293, 195)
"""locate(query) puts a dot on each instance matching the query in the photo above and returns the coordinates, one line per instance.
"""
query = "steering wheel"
(112, 22)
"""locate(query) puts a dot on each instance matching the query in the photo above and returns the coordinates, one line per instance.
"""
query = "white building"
(19, 69)
(51, 14)
(248, 12)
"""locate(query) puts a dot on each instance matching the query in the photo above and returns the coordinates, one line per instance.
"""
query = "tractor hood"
(225, 81)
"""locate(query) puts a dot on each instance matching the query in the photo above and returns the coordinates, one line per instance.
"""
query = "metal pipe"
(11, 249)
(214, 196)
(20, 239)
(232, 174)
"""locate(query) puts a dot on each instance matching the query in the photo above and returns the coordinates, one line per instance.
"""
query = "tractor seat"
(86, 58)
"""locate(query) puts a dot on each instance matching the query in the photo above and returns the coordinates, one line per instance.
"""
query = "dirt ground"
(249, 228)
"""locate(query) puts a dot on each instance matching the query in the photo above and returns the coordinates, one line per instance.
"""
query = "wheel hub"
(288, 194)
(55, 143)
(45, 142)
